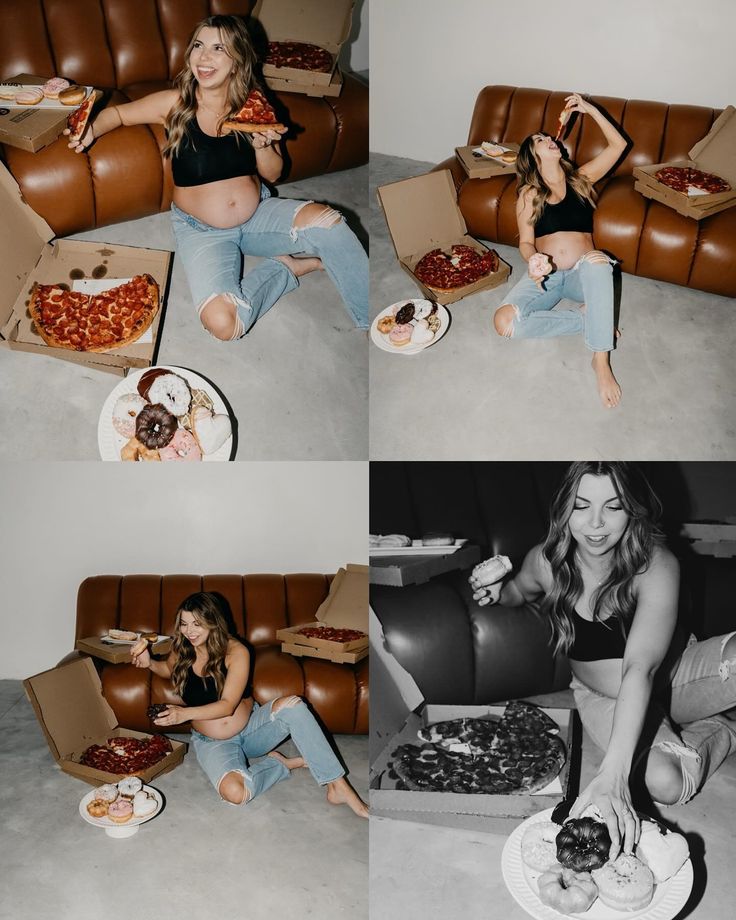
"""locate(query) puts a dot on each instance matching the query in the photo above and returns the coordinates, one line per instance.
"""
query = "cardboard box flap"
(346, 606)
(324, 24)
(716, 152)
(69, 703)
(23, 235)
(422, 213)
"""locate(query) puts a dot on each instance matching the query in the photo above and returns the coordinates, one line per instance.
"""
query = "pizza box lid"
(716, 152)
(346, 606)
(314, 21)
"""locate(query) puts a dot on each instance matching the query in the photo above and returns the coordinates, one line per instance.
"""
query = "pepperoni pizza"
(256, 115)
(300, 55)
(331, 633)
(445, 271)
(126, 755)
(77, 121)
(94, 322)
(681, 178)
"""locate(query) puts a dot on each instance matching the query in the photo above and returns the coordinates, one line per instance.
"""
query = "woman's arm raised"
(150, 110)
(596, 168)
(647, 644)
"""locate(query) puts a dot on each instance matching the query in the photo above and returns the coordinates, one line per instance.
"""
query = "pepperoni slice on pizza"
(77, 121)
(256, 115)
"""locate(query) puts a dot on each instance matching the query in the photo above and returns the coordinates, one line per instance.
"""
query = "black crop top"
(595, 640)
(199, 691)
(203, 158)
(572, 213)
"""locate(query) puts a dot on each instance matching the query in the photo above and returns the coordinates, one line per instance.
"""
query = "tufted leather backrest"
(658, 131)
(103, 43)
(260, 604)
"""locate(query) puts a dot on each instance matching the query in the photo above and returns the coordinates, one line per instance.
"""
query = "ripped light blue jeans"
(684, 717)
(589, 281)
(213, 258)
(263, 732)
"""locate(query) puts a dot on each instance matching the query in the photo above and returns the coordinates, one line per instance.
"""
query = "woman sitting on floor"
(609, 588)
(554, 211)
(221, 208)
(210, 670)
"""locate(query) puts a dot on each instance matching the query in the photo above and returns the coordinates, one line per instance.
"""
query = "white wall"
(354, 54)
(430, 58)
(64, 521)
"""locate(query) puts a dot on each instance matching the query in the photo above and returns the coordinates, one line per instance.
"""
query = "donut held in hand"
(567, 891)
(583, 844)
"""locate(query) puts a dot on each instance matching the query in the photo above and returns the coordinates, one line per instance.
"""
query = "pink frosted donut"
(54, 86)
(401, 334)
(29, 97)
(120, 811)
(125, 412)
(183, 446)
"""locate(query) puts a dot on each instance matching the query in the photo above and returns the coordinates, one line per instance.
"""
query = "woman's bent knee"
(232, 788)
(219, 316)
(316, 215)
(285, 702)
(663, 778)
(503, 320)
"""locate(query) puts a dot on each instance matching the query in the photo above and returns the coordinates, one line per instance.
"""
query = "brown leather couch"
(129, 48)
(260, 604)
(649, 238)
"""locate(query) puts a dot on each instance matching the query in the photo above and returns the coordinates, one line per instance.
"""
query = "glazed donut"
(155, 427)
(583, 844)
(8, 92)
(145, 380)
(98, 808)
(422, 333)
(134, 450)
(172, 391)
(120, 811)
(143, 804)
(394, 539)
(150, 637)
(438, 539)
(29, 97)
(624, 883)
(54, 86)
(125, 412)
(74, 95)
(567, 891)
(183, 446)
(385, 324)
(129, 786)
(538, 847)
(107, 793)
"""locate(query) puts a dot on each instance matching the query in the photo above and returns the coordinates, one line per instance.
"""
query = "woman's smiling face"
(192, 629)
(209, 60)
(598, 519)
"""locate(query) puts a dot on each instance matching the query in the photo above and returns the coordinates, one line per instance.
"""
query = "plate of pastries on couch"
(164, 414)
(558, 867)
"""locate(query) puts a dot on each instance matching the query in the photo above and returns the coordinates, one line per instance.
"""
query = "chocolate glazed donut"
(583, 844)
(155, 426)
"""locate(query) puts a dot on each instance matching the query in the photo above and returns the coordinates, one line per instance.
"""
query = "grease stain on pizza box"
(31, 254)
(345, 607)
(74, 714)
(715, 153)
(314, 22)
(422, 214)
(472, 811)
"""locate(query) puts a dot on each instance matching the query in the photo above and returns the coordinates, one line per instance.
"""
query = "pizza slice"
(256, 115)
(77, 121)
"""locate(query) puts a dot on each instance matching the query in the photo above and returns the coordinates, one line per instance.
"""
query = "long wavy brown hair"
(614, 599)
(527, 169)
(206, 610)
(238, 45)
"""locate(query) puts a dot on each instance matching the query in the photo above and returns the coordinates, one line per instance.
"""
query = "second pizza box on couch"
(31, 254)
(715, 153)
(344, 608)
(422, 215)
(493, 813)
(74, 715)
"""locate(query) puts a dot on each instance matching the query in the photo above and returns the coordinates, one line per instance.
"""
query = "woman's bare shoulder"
(236, 650)
(538, 565)
(663, 565)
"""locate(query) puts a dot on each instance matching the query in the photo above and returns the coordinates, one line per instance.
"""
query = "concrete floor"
(288, 854)
(473, 395)
(425, 872)
(297, 384)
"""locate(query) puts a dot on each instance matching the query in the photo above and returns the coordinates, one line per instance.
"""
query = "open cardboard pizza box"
(345, 607)
(715, 153)
(422, 214)
(333, 88)
(480, 166)
(97, 647)
(31, 254)
(74, 714)
(312, 21)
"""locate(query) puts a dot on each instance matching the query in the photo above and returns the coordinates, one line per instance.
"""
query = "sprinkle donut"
(107, 793)
(129, 786)
(625, 883)
(173, 392)
(125, 412)
(183, 446)
(54, 86)
(120, 811)
(538, 846)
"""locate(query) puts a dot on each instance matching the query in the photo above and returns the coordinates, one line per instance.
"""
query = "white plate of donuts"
(667, 899)
(409, 326)
(164, 414)
(120, 808)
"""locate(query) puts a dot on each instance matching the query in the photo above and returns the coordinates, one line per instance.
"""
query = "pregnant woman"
(210, 670)
(609, 589)
(554, 211)
(221, 208)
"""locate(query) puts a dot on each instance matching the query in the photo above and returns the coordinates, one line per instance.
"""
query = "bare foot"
(302, 266)
(608, 388)
(340, 792)
(291, 763)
